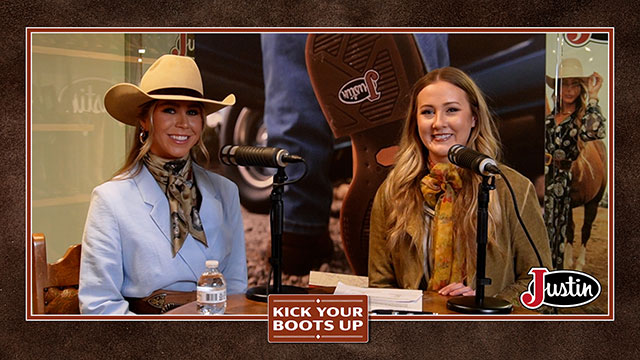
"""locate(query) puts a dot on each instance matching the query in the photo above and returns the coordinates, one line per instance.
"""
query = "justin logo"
(560, 288)
(185, 45)
(84, 96)
(361, 89)
(578, 39)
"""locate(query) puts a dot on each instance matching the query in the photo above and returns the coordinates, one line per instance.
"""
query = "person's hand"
(594, 83)
(455, 289)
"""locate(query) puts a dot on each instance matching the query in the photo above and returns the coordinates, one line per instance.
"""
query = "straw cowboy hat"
(171, 77)
(569, 68)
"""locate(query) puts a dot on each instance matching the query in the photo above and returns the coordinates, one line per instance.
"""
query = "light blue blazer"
(126, 246)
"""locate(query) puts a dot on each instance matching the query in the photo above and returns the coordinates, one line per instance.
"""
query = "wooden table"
(239, 304)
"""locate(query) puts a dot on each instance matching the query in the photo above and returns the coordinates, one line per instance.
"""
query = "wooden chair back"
(55, 286)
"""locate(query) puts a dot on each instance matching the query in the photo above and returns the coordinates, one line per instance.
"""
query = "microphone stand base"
(259, 293)
(470, 305)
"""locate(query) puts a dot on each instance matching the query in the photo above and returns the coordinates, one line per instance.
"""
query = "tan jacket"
(507, 267)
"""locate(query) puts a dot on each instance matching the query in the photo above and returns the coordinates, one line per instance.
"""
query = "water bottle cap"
(211, 263)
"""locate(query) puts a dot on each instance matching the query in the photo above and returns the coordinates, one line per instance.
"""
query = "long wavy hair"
(581, 105)
(402, 185)
(580, 110)
(141, 146)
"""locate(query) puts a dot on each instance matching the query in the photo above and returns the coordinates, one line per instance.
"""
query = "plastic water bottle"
(212, 290)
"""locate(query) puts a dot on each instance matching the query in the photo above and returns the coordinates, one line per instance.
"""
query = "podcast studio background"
(76, 145)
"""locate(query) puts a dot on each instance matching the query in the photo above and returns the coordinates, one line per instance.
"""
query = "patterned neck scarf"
(439, 190)
(175, 178)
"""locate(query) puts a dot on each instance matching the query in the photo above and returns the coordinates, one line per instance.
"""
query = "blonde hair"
(581, 106)
(139, 149)
(580, 109)
(402, 186)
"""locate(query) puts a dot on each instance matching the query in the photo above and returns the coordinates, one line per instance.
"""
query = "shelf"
(63, 127)
(47, 50)
(63, 200)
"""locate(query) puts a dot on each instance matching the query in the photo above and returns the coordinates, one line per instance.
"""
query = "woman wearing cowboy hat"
(576, 117)
(151, 228)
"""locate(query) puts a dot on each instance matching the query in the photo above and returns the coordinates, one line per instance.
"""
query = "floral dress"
(561, 147)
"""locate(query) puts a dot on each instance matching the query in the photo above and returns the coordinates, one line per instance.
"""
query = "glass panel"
(77, 145)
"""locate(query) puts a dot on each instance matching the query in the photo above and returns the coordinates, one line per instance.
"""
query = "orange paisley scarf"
(439, 189)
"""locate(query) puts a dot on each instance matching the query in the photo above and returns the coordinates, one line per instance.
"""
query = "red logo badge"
(559, 288)
(578, 39)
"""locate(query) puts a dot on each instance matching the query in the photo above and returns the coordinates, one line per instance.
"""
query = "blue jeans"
(295, 122)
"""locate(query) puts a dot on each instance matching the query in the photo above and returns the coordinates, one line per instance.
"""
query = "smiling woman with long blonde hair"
(423, 221)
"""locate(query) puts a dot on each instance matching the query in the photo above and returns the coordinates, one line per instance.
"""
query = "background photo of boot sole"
(376, 72)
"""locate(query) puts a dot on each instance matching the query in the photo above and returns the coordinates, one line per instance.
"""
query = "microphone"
(245, 155)
(472, 160)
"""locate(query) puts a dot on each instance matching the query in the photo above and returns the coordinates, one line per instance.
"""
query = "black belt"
(160, 301)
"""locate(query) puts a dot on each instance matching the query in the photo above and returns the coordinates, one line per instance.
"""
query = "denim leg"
(295, 122)
(434, 49)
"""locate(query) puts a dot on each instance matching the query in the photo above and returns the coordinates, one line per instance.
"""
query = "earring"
(143, 136)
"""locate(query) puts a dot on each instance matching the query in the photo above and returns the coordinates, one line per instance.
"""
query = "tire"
(244, 126)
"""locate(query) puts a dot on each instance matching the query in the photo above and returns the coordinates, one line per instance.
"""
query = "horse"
(588, 184)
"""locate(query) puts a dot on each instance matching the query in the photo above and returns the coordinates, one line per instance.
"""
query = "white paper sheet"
(387, 299)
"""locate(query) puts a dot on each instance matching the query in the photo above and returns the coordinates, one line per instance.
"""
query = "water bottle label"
(211, 295)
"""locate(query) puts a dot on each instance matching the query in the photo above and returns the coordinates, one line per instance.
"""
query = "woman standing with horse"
(576, 118)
